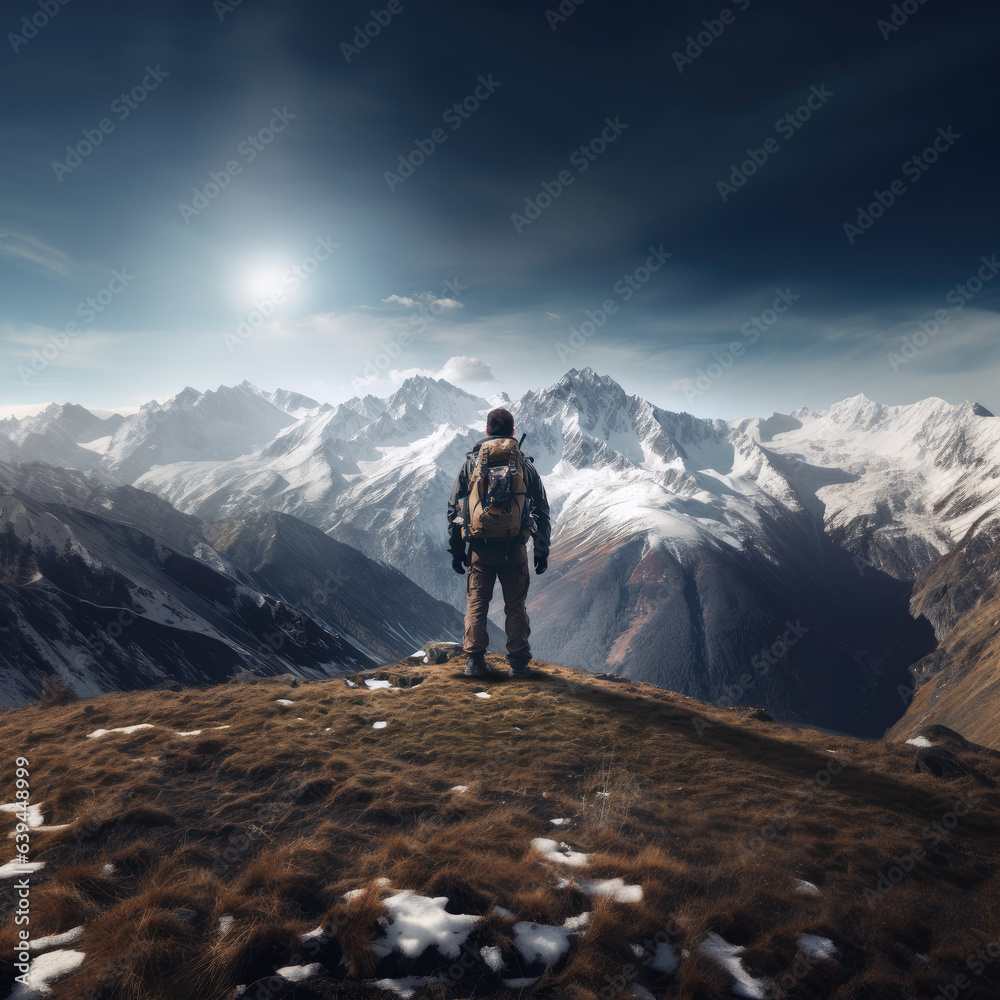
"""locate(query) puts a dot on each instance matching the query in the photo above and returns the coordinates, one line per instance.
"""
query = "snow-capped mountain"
(110, 588)
(292, 403)
(66, 435)
(199, 426)
(765, 560)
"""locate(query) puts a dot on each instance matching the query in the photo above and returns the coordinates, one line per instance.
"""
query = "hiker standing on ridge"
(497, 504)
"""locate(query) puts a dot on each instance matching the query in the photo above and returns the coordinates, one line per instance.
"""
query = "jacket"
(533, 486)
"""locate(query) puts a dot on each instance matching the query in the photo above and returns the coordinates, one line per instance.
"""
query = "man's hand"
(541, 564)
(459, 562)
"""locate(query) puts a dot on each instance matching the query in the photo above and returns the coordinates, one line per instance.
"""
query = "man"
(491, 559)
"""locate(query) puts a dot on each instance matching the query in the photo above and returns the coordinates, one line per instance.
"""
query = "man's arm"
(540, 505)
(456, 544)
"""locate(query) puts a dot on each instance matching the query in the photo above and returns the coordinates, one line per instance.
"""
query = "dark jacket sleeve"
(456, 545)
(540, 505)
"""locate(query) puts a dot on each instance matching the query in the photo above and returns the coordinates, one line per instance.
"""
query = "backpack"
(497, 505)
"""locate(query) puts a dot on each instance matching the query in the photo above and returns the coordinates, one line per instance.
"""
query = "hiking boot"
(519, 668)
(475, 666)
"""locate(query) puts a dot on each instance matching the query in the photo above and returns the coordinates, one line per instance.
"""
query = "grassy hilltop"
(269, 836)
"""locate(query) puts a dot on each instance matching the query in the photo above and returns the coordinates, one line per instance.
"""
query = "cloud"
(456, 369)
(464, 369)
(424, 299)
(34, 252)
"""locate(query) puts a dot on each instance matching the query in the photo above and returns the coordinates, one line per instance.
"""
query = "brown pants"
(487, 562)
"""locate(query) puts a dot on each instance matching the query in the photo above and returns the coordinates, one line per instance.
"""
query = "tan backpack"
(498, 506)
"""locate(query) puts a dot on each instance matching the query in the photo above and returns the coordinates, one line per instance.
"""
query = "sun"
(261, 279)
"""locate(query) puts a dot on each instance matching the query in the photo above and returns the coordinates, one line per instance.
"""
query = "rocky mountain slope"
(958, 684)
(110, 588)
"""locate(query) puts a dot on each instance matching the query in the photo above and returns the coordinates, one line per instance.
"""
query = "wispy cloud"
(425, 299)
(26, 250)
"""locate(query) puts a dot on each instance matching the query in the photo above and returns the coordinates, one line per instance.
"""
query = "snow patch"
(492, 956)
(727, 955)
(34, 812)
(546, 943)
(18, 867)
(920, 741)
(560, 852)
(815, 947)
(418, 922)
(45, 970)
(55, 940)
(404, 988)
(613, 888)
(665, 958)
(299, 973)
(128, 730)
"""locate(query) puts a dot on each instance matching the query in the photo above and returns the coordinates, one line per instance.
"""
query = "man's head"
(499, 423)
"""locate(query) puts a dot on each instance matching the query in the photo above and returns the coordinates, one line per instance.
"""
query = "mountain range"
(763, 561)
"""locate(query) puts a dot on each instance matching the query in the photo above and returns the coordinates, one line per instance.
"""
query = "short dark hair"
(499, 422)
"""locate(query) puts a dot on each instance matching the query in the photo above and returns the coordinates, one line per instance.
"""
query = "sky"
(731, 210)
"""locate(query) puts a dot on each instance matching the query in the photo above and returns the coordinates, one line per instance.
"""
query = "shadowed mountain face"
(113, 589)
(681, 547)
(790, 625)
(338, 586)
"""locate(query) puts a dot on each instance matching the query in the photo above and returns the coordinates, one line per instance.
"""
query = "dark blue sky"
(258, 148)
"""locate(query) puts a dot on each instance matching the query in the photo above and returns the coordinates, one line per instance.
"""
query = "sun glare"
(259, 280)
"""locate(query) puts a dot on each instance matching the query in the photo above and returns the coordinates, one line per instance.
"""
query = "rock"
(942, 763)
(441, 652)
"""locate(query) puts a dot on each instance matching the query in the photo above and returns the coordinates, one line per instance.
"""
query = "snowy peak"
(193, 426)
(66, 435)
(68, 421)
(435, 401)
(293, 403)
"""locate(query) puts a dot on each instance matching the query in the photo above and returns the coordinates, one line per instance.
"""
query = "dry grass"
(272, 820)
